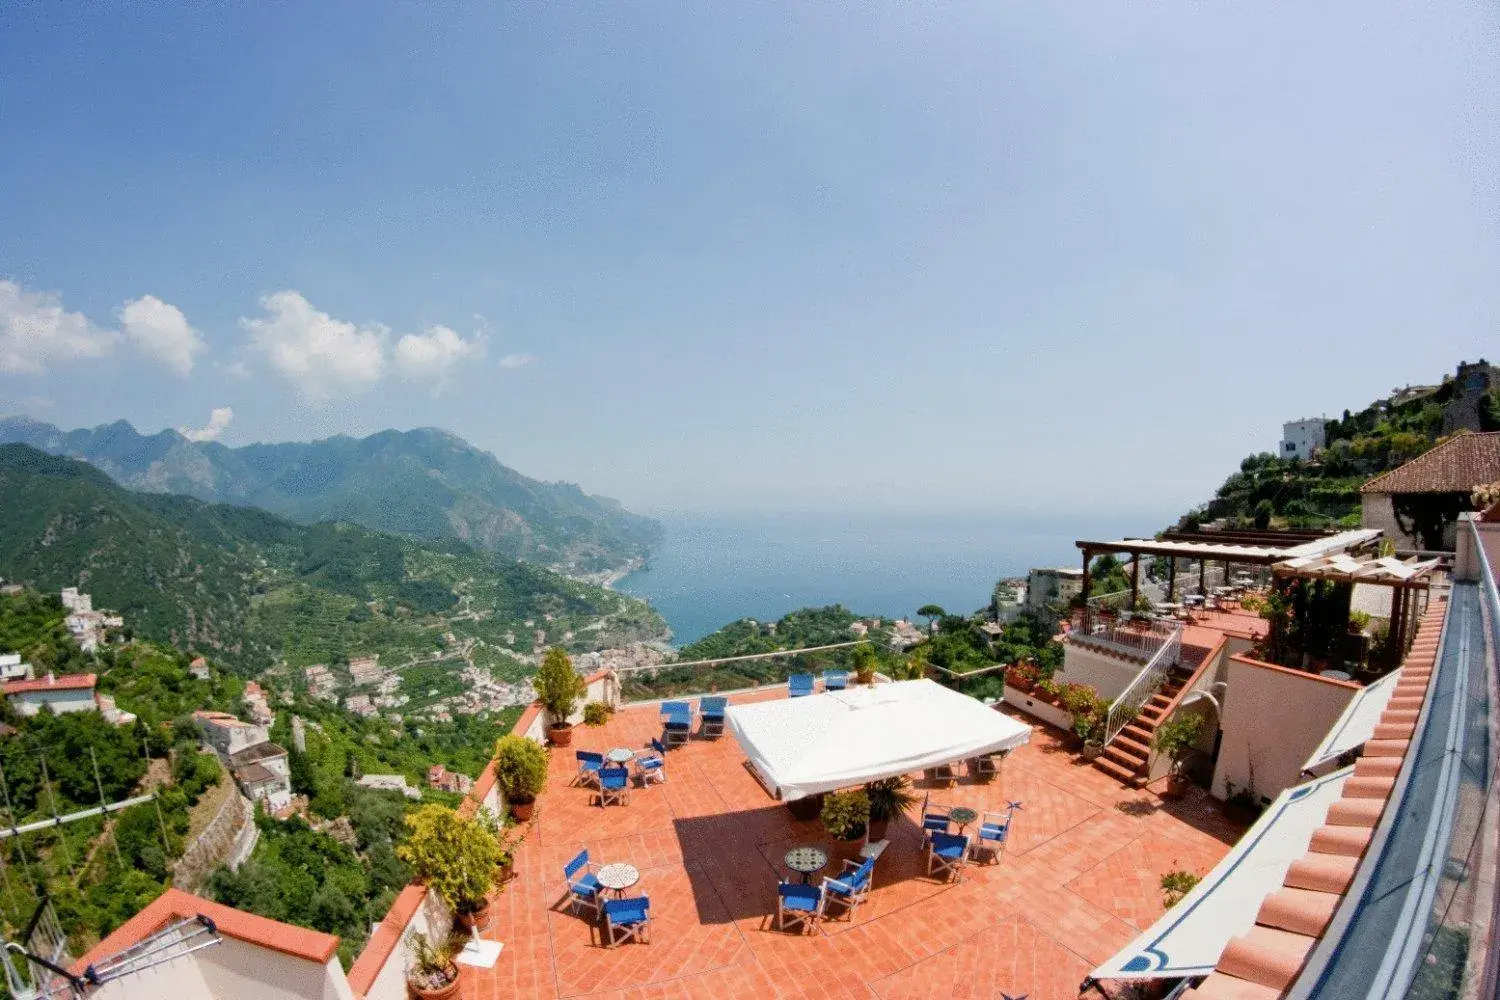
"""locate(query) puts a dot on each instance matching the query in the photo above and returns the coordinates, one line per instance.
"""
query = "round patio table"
(806, 860)
(963, 816)
(618, 876)
(620, 755)
(1336, 675)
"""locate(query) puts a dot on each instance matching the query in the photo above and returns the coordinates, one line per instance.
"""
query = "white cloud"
(321, 354)
(35, 332)
(517, 360)
(218, 422)
(429, 355)
(161, 331)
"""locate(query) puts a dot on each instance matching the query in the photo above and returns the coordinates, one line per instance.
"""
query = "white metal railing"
(1127, 706)
(1136, 634)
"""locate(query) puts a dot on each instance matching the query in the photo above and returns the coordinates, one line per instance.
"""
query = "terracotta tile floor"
(1079, 880)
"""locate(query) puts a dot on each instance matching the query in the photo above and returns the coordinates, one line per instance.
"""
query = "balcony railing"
(1149, 681)
(1135, 634)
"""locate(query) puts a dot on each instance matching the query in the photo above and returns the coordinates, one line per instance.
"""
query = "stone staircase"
(1127, 757)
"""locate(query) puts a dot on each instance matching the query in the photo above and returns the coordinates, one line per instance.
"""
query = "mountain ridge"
(426, 482)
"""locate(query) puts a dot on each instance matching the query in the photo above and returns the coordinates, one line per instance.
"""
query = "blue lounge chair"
(589, 766)
(627, 918)
(652, 766)
(934, 818)
(678, 719)
(800, 903)
(711, 716)
(851, 887)
(994, 830)
(614, 785)
(946, 853)
(835, 680)
(800, 685)
(583, 886)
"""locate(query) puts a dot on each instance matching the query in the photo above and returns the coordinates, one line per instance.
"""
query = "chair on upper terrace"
(614, 785)
(711, 716)
(583, 886)
(835, 680)
(852, 886)
(677, 717)
(801, 904)
(983, 768)
(627, 918)
(652, 766)
(800, 685)
(589, 766)
(946, 853)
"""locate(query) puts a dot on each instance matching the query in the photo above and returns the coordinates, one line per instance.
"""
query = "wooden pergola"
(1410, 583)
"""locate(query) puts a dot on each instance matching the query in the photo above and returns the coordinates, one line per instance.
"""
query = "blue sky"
(959, 257)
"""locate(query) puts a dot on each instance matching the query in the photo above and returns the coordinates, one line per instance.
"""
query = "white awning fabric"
(1357, 723)
(1190, 937)
(823, 742)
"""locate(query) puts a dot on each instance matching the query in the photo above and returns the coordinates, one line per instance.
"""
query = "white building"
(390, 783)
(1300, 438)
(69, 693)
(264, 773)
(74, 601)
(1058, 585)
(228, 735)
(12, 669)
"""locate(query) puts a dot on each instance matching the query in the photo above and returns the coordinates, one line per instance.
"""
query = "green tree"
(932, 612)
(1263, 512)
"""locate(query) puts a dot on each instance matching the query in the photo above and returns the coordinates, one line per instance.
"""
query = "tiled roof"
(255, 774)
(258, 752)
(1459, 464)
(67, 682)
(1264, 962)
(174, 904)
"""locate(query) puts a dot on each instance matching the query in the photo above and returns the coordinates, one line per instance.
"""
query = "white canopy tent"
(1190, 937)
(1357, 723)
(823, 742)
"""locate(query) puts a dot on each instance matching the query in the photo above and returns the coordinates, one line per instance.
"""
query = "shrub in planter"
(1177, 738)
(864, 660)
(433, 974)
(1022, 676)
(595, 713)
(1048, 691)
(521, 772)
(888, 799)
(559, 689)
(453, 856)
(845, 814)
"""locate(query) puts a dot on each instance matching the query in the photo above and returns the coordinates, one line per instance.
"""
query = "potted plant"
(1088, 724)
(559, 689)
(595, 713)
(432, 975)
(521, 772)
(1022, 677)
(455, 857)
(845, 815)
(1047, 690)
(807, 808)
(864, 662)
(1242, 804)
(889, 798)
(1177, 738)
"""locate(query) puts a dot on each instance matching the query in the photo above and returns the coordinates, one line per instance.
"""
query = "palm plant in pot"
(845, 815)
(1177, 738)
(456, 857)
(432, 975)
(521, 772)
(559, 689)
(864, 661)
(889, 798)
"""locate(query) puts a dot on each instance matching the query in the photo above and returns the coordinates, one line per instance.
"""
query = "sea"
(715, 568)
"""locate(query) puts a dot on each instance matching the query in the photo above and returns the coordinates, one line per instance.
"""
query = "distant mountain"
(253, 587)
(426, 483)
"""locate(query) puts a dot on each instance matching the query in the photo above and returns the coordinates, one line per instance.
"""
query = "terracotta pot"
(504, 872)
(1092, 750)
(848, 849)
(521, 811)
(466, 922)
(561, 734)
(879, 828)
(441, 993)
(807, 808)
(1177, 786)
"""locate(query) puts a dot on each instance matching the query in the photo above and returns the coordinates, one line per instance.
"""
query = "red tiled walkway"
(1079, 880)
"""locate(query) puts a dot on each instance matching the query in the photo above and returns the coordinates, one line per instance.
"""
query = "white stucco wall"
(1037, 708)
(1109, 675)
(235, 970)
(1273, 719)
(432, 919)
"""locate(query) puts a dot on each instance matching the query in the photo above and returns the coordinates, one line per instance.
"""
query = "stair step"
(1137, 748)
(1116, 770)
(1138, 732)
(1125, 755)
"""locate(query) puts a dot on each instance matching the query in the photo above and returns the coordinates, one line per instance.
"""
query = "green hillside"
(252, 588)
(425, 482)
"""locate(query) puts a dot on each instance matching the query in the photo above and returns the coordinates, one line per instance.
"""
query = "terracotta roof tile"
(64, 682)
(1457, 465)
(1266, 955)
(1298, 910)
(385, 937)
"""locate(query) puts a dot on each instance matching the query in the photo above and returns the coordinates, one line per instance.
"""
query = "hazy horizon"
(962, 259)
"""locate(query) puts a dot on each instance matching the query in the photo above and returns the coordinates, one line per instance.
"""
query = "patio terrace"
(1079, 880)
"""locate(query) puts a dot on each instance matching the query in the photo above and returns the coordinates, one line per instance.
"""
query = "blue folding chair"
(800, 685)
(711, 716)
(934, 818)
(994, 830)
(946, 853)
(583, 886)
(614, 785)
(627, 918)
(802, 904)
(589, 766)
(851, 887)
(835, 680)
(652, 766)
(678, 719)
